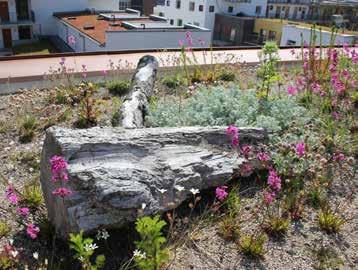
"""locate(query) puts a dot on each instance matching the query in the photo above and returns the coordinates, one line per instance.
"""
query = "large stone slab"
(114, 171)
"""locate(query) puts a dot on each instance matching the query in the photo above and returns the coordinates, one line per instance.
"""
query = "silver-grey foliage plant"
(219, 106)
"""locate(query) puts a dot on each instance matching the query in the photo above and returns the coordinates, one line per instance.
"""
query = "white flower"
(138, 253)
(35, 255)
(144, 205)
(102, 234)
(162, 190)
(179, 188)
(14, 253)
(194, 191)
(89, 247)
(11, 241)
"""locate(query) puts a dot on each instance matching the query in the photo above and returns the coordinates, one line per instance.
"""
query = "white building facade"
(202, 12)
(21, 21)
(296, 35)
(288, 9)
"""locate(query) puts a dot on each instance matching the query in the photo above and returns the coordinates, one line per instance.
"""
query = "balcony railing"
(294, 2)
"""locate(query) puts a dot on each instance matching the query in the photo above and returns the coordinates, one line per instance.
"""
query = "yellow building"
(271, 29)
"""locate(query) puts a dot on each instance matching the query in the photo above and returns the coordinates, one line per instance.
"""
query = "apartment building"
(22, 21)
(127, 30)
(202, 12)
(16, 22)
(289, 9)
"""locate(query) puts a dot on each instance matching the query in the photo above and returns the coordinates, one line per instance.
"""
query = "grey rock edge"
(136, 103)
(113, 171)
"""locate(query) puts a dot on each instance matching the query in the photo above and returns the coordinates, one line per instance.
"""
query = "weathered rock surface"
(136, 103)
(113, 171)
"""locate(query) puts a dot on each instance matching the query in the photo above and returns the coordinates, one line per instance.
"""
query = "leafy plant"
(227, 76)
(84, 249)
(118, 88)
(4, 229)
(151, 243)
(233, 202)
(253, 245)
(276, 225)
(229, 228)
(267, 71)
(330, 221)
(28, 125)
(328, 259)
(4, 127)
(32, 195)
(88, 112)
(172, 82)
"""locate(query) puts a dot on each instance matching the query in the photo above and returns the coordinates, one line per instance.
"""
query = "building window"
(201, 8)
(178, 4)
(272, 35)
(271, 7)
(24, 32)
(180, 22)
(230, 9)
(123, 5)
(191, 6)
(172, 22)
(168, 3)
(211, 9)
(22, 9)
(258, 10)
(161, 14)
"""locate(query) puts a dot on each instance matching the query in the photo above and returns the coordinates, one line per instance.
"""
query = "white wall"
(272, 12)
(103, 5)
(206, 19)
(83, 42)
(291, 32)
(44, 10)
(132, 40)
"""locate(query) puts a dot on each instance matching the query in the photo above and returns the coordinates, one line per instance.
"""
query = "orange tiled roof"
(100, 25)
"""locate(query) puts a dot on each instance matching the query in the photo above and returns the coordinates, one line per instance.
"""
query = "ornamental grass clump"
(253, 245)
(330, 221)
(27, 128)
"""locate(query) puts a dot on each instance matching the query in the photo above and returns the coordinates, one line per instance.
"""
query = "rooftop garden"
(293, 204)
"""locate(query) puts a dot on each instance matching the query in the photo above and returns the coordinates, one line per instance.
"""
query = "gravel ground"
(207, 250)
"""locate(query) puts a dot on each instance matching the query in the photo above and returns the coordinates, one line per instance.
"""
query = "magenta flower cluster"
(221, 193)
(263, 157)
(274, 183)
(59, 174)
(32, 230)
(300, 149)
(233, 132)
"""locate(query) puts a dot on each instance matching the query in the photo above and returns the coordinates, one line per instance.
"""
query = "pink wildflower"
(291, 90)
(11, 195)
(233, 132)
(346, 74)
(201, 41)
(23, 211)
(339, 157)
(71, 40)
(221, 193)
(32, 230)
(181, 43)
(264, 157)
(316, 88)
(59, 169)
(62, 192)
(335, 116)
(245, 150)
(269, 197)
(274, 181)
(300, 149)
(246, 169)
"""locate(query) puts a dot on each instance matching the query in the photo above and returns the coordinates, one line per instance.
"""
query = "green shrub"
(4, 126)
(118, 88)
(253, 245)
(4, 229)
(172, 82)
(28, 125)
(227, 76)
(328, 259)
(151, 254)
(221, 106)
(32, 195)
